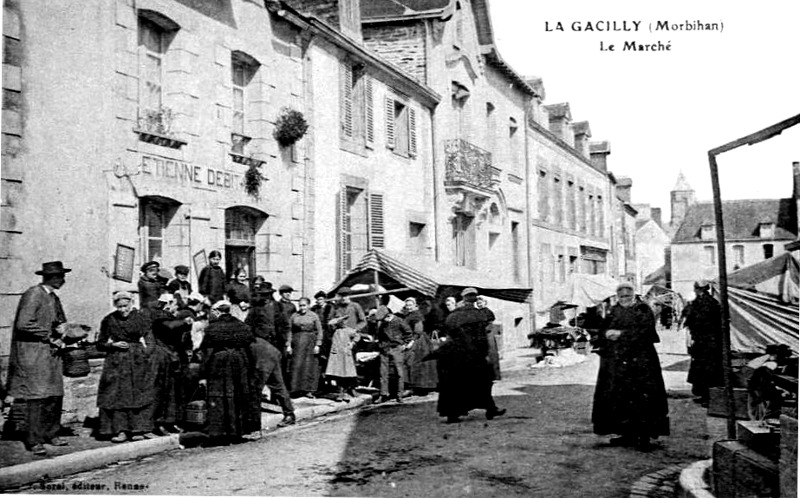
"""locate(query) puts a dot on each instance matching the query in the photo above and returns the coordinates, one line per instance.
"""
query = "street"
(544, 446)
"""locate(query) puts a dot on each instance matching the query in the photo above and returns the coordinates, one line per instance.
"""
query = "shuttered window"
(389, 107)
(369, 111)
(376, 234)
(346, 100)
(401, 127)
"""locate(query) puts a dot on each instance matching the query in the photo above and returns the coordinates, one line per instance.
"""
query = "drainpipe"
(432, 113)
(528, 217)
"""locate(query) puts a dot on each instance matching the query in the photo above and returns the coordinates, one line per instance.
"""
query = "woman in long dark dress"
(228, 374)
(306, 339)
(125, 395)
(630, 399)
(421, 375)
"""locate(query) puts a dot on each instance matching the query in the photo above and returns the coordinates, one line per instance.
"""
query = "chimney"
(559, 123)
(344, 15)
(655, 213)
(582, 134)
(624, 185)
(598, 153)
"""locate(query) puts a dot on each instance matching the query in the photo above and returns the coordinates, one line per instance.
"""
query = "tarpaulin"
(763, 303)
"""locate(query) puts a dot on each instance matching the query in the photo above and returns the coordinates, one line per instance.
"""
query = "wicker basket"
(75, 362)
(196, 412)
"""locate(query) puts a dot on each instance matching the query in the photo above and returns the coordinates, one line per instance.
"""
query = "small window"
(769, 251)
(416, 237)
(710, 254)
(738, 255)
(493, 237)
(401, 127)
(766, 230)
(707, 232)
(512, 127)
(243, 69)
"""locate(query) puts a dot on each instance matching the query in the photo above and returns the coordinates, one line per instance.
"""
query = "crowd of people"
(222, 344)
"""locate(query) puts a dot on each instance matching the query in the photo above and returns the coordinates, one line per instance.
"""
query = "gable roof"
(741, 219)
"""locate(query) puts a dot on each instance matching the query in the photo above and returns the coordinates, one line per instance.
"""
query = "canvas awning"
(762, 299)
(427, 277)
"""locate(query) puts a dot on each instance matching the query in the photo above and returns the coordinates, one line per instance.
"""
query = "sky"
(662, 111)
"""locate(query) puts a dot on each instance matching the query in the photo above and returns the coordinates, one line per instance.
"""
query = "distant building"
(651, 243)
(755, 230)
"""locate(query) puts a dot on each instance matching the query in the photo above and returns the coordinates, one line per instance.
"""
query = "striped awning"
(428, 277)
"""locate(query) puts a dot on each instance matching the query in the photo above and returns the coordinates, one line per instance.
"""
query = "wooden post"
(727, 370)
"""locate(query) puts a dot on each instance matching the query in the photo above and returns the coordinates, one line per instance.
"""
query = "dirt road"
(542, 447)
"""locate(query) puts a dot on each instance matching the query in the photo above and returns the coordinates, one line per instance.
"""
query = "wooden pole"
(727, 370)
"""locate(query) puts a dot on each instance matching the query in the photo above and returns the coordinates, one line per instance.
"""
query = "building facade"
(570, 205)
(479, 166)
(755, 230)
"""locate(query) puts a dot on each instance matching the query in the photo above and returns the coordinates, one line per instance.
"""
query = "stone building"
(623, 236)
(755, 230)
(368, 156)
(652, 243)
(479, 166)
(570, 203)
(128, 131)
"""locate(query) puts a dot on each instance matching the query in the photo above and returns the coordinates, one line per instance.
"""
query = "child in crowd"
(180, 286)
(341, 365)
(211, 282)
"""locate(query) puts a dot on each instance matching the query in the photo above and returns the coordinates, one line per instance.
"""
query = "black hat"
(181, 270)
(148, 265)
(265, 288)
(344, 291)
(53, 268)
(320, 294)
(285, 288)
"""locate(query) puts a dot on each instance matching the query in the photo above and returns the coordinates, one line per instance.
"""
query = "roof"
(492, 57)
(682, 185)
(381, 10)
(601, 147)
(624, 181)
(741, 219)
(582, 128)
(428, 277)
(559, 110)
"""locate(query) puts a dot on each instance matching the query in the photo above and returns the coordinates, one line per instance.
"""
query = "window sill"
(245, 160)
(158, 139)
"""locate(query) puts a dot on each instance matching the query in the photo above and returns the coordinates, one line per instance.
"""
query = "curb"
(692, 484)
(81, 461)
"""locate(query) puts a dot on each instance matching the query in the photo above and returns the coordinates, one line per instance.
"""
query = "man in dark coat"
(394, 339)
(703, 322)
(266, 319)
(288, 308)
(35, 377)
(465, 376)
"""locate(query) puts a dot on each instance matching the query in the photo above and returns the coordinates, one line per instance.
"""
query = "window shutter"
(346, 100)
(412, 132)
(370, 113)
(389, 122)
(376, 236)
(341, 237)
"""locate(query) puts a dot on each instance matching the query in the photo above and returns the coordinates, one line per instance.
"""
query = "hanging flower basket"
(253, 179)
(290, 127)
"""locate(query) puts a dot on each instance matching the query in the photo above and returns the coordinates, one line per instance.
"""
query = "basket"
(196, 412)
(75, 362)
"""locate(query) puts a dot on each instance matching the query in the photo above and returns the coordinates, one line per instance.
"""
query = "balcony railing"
(467, 164)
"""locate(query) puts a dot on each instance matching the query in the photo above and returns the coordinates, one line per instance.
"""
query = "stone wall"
(402, 45)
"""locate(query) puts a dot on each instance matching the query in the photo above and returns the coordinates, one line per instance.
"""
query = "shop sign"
(186, 173)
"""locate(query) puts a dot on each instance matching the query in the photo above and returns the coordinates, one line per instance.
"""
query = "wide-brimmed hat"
(53, 268)
(469, 290)
(344, 291)
(265, 288)
(701, 284)
(148, 265)
(285, 288)
(320, 294)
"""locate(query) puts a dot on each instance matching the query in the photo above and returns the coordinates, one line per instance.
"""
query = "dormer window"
(707, 231)
(766, 230)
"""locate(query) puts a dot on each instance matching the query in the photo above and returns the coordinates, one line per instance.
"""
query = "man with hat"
(394, 338)
(35, 377)
(705, 342)
(151, 286)
(465, 380)
(351, 313)
(288, 309)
